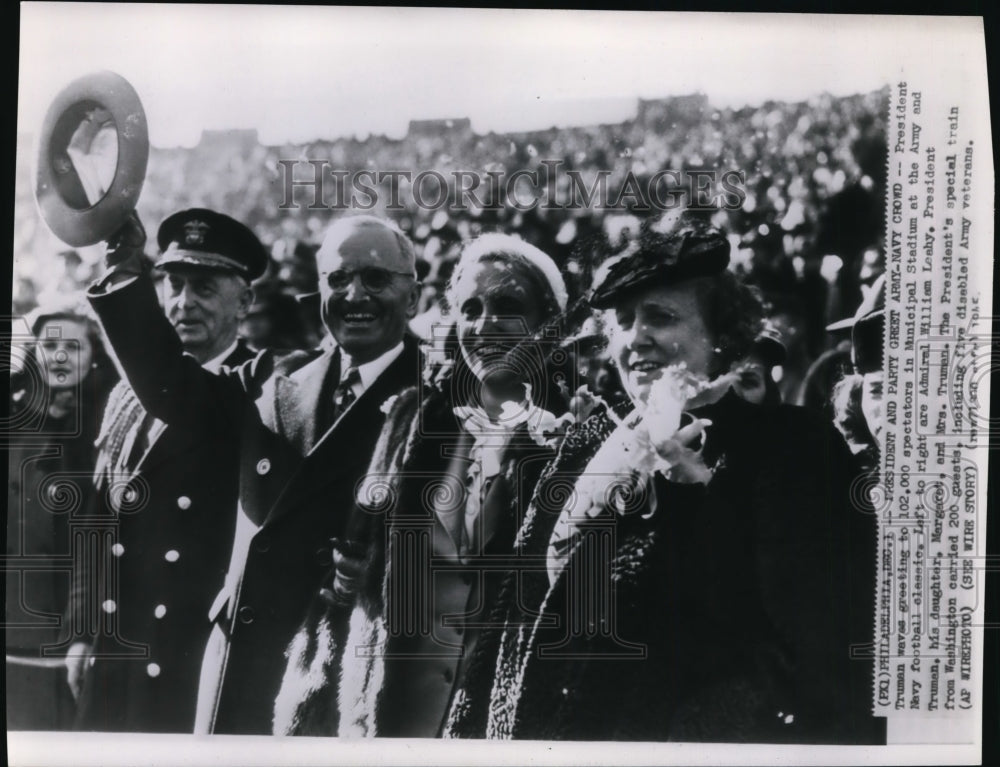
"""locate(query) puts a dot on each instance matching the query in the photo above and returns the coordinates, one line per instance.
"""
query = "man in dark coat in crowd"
(305, 435)
(172, 492)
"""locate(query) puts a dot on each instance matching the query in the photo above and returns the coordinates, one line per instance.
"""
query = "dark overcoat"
(737, 611)
(297, 476)
(50, 461)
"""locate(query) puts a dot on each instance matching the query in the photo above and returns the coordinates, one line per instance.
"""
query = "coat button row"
(153, 669)
(160, 611)
(184, 503)
(172, 556)
(263, 466)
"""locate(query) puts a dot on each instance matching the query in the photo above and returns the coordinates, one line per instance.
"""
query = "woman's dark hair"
(100, 359)
(30, 392)
(732, 313)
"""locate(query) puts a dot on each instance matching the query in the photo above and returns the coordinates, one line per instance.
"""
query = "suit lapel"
(298, 400)
(325, 461)
(402, 372)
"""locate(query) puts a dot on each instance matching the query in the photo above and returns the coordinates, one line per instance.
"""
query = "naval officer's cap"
(203, 238)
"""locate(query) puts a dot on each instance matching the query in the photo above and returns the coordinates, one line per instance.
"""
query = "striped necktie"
(344, 394)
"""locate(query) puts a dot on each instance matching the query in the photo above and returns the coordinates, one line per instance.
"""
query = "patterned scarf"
(120, 433)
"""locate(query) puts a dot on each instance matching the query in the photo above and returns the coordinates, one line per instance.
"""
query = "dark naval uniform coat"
(166, 560)
(299, 464)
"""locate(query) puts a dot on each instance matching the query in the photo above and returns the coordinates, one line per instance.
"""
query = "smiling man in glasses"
(368, 287)
(305, 426)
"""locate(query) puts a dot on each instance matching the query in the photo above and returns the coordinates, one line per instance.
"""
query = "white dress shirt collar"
(370, 371)
(214, 364)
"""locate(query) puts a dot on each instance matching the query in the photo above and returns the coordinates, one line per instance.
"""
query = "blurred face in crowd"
(752, 382)
(64, 352)
(367, 286)
(653, 328)
(498, 305)
(871, 404)
(205, 307)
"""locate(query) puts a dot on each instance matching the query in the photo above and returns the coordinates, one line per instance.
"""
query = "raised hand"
(126, 245)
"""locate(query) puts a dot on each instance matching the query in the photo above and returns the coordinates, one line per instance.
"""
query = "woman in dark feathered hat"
(692, 565)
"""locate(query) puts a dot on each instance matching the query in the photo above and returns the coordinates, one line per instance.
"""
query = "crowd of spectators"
(805, 227)
(807, 232)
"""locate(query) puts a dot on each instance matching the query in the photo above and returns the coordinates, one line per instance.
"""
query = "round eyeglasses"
(374, 279)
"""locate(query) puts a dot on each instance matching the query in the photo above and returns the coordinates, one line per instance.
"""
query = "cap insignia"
(194, 232)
